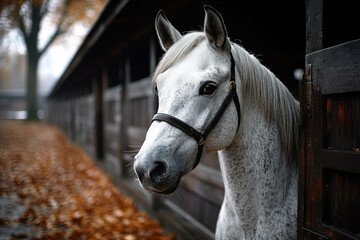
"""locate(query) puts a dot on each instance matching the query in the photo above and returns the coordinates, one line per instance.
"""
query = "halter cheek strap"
(198, 136)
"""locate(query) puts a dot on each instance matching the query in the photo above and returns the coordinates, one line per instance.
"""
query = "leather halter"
(198, 136)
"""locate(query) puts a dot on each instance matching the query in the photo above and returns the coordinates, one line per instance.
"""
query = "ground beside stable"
(50, 189)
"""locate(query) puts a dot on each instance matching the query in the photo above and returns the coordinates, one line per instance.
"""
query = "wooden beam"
(314, 25)
(336, 69)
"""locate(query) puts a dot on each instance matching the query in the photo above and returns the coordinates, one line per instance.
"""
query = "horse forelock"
(176, 52)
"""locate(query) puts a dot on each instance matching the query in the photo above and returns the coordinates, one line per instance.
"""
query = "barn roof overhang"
(265, 29)
(119, 23)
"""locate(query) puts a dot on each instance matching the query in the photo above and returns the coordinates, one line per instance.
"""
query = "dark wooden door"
(329, 140)
(329, 196)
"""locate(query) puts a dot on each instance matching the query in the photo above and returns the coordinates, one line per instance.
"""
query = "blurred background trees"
(29, 17)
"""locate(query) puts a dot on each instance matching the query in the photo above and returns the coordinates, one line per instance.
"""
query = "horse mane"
(275, 101)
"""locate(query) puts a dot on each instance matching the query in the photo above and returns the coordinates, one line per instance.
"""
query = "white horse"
(215, 96)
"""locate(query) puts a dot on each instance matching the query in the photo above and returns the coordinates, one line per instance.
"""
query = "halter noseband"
(198, 136)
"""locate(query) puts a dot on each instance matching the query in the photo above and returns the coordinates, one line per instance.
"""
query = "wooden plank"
(99, 116)
(112, 124)
(336, 234)
(308, 234)
(341, 202)
(340, 160)
(336, 69)
(313, 169)
(209, 175)
(139, 112)
(113, 93)
(124, 112)
(136, 136)
(342, 131)
(140, 88)
(188, 222)
(301, 160)
(207, 191)
(85, 121)
(140, 103)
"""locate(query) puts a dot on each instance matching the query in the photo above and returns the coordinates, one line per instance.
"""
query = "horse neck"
(257, 177)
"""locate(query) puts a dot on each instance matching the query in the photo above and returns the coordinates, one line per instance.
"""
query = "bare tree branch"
(21, 26)
(60, 28)
(44, 8)
(56, 34)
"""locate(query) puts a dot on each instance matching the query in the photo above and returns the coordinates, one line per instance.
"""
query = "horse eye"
(156, 90)
(207, 88)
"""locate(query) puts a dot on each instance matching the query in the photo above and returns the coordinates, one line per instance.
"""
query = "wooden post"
(124, 113)
(153, 100)
(99, 85)
(314, 25)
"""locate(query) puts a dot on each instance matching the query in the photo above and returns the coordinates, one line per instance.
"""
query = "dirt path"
(50, 189)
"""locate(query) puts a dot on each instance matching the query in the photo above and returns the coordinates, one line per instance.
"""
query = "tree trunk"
(31, 87)
(33, 54)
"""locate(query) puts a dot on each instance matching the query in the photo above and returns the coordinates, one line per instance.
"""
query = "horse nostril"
(158, 172)
(139, 171)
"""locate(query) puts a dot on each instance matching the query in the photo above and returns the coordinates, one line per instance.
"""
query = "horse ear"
(167, 34)
(214, 28)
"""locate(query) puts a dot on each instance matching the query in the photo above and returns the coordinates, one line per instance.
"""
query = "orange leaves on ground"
(64, 194)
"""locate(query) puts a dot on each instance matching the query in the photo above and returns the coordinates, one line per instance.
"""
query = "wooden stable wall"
(125, 112)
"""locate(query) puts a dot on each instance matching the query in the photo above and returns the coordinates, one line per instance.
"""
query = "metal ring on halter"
(232, 84)
(202, 141)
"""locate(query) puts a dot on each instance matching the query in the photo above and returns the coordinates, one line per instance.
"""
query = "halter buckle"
(232, 84)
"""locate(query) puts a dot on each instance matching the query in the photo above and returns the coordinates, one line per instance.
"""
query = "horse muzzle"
(157, 177)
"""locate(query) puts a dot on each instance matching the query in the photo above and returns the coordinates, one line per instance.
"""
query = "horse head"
(195, 83)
